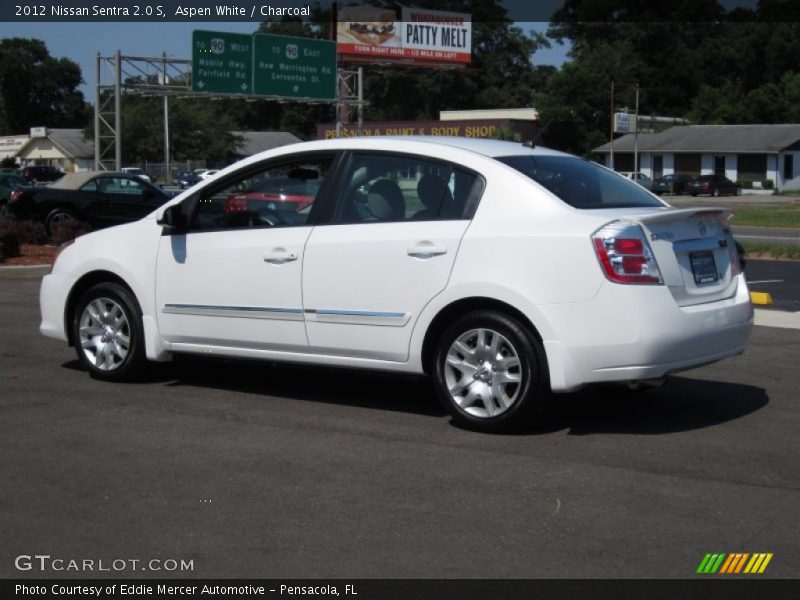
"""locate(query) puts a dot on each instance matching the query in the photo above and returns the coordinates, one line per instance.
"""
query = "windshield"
(580, 183)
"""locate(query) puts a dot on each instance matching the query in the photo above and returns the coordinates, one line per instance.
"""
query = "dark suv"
(40, 173)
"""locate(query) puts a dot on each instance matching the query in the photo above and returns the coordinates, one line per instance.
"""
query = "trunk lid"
(694, 249)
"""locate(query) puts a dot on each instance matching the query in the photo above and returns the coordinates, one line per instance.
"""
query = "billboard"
(419, 36)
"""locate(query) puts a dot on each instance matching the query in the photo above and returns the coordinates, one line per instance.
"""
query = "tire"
(58, 215)
(715, 193)
(481, 342)
(107, 317)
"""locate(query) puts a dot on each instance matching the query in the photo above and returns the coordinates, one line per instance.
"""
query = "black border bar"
(514, 10)
(699, 588)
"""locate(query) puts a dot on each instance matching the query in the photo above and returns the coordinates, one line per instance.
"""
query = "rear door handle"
(278, 256)
(426, 250)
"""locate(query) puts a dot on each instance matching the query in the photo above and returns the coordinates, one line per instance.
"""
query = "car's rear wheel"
(108, 334)
(56, 216)
(490, 372)
(715, 193)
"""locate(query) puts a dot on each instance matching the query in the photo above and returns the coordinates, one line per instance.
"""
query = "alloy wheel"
(105, 334)
(483, 373)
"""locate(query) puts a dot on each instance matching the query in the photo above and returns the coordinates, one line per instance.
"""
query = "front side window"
(390, 188)
(580, 183)
(277, 195)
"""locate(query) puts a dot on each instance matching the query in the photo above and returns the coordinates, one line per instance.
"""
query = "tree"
(574, 107)
(715, 67)
(37, 89)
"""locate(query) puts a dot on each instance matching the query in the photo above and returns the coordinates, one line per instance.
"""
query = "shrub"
(745, 184)
(27, 232)
(9, 242)
(68, 230)
(768, 184)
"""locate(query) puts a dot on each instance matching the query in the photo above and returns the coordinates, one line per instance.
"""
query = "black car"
(9, 182)
(36, 173)
(97, 198)
(672, 184)
(714, 185)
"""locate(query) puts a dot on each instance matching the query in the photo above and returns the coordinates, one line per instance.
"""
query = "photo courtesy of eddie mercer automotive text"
(505, 272)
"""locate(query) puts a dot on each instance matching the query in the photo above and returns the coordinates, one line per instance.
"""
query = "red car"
(279, 195)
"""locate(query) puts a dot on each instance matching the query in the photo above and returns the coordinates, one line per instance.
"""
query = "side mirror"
(173, 218)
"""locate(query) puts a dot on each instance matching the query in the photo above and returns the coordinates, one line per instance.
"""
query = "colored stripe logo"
(734, 563)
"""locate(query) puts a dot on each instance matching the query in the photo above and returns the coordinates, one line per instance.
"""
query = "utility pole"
(612, 127)
(164, 82)
(118, 110)
(97, 149)
(636, 134)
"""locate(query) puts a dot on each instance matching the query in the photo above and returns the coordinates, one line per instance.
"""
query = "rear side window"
(580, 183)
(390, 188)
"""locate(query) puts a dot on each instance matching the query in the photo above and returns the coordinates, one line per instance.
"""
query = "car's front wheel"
(108, 334)
(490, 372)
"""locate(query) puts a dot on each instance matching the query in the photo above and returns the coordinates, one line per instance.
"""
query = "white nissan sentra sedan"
(503, 271)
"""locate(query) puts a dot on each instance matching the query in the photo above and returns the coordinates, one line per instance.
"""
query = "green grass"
(771, 250)
(767, 217)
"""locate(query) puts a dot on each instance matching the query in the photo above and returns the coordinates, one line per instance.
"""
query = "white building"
(740, 152)
(66, 149)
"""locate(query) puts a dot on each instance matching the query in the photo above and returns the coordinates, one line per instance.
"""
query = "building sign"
(477, 128)
(624, 122)
(294, 67)
(38, 132)
(421, 36)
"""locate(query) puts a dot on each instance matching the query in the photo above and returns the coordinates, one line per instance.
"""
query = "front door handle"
(426, 250)
(279, 256)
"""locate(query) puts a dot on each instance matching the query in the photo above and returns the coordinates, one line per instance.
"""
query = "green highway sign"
(222, 63)
(294, 67)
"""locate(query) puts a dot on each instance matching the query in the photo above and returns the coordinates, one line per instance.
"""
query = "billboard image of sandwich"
(368, 25)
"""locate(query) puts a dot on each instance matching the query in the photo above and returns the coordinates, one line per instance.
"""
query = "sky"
(80, 41)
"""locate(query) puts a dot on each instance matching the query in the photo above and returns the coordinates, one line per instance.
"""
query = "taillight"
(14, 196)
(625, 255)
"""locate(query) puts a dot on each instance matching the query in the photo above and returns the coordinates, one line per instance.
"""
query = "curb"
(777, 318)
(24, 271)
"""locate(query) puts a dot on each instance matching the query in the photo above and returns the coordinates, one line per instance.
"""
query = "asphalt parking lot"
(255, 470)
(779, 278)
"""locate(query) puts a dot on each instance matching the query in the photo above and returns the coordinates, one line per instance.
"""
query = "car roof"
(491, 148)
(72, 181)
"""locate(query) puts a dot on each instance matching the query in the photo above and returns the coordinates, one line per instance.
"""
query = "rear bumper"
(639, 332)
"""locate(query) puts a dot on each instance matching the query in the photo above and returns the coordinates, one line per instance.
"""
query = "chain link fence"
(158, 171)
